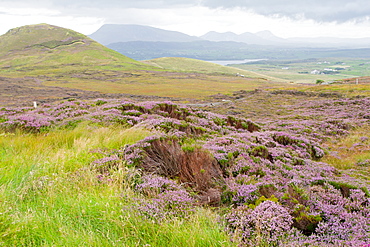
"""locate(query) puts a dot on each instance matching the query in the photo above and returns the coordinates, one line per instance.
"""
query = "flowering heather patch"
(166, 205)
(270, 179)
(321, 118)
(166, 198)
(267, 223)
(163, 116)
(315, 117)
(27, 121)
(152, 185)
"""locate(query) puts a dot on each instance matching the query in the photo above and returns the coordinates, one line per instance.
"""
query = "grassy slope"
(49, 49)
(50, 195)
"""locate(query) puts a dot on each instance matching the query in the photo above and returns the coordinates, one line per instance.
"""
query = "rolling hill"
(46, 47)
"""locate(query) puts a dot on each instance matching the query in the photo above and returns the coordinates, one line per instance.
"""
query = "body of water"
(228, 62)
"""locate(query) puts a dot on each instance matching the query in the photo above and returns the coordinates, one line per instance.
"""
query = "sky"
(284, 18)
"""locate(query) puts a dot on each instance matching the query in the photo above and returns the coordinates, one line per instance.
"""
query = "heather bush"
(152, 185)
(165, 205)
(267, 223)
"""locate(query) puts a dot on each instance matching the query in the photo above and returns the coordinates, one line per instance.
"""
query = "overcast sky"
(285, 18)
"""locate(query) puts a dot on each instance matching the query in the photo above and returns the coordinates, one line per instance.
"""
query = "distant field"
(310, 70)
(169, 84)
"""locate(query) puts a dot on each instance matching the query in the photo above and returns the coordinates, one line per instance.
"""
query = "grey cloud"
(102, 4)
(124, 4)
(319, 10)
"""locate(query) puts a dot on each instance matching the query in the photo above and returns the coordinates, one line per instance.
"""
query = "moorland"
(178, 151)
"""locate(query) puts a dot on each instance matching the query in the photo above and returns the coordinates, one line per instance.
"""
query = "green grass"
(33, 35)
(61, 149)
(167, 84)
(50, 195)
(348, 90)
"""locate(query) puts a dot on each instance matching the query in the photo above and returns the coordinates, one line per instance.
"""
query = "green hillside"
(45, 47)
(199, 66)
(41, 35)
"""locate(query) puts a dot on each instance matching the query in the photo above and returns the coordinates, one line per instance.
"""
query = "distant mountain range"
(260, 38)
(114, 33)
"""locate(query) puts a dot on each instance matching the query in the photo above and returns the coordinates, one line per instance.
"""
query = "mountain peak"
(260, 38)
(214, 32)
(216, 36)
(266, 34)
(41, 26)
